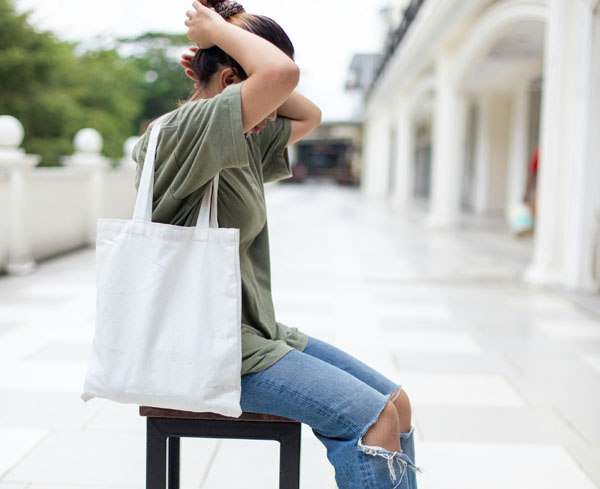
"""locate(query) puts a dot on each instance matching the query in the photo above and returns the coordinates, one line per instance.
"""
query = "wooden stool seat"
(165, 427)
(152, 412)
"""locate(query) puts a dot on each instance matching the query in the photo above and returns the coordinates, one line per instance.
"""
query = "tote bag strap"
(143, 202)
(209, 206)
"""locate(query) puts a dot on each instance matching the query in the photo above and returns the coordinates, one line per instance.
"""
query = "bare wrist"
(218, 31)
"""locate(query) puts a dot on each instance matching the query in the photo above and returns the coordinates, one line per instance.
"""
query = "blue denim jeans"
(339, 397)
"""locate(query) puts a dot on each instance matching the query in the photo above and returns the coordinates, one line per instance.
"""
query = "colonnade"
(565, 242)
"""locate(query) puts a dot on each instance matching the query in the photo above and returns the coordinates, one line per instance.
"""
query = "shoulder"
(229, 99)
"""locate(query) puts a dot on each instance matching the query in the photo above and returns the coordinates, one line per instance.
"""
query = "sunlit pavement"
(504, 378)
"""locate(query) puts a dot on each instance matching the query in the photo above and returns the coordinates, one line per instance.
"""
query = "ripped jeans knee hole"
(398, 462)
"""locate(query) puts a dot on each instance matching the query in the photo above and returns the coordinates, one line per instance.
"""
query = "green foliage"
(164, 83)
(54, 91)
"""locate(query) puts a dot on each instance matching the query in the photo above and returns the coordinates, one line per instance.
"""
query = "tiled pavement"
(504, 379)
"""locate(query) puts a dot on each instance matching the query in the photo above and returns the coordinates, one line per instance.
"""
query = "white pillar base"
(435, 221)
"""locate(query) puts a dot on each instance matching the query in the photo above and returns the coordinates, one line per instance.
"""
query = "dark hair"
(206, 62)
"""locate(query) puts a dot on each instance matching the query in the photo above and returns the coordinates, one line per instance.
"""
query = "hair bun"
(226, 8)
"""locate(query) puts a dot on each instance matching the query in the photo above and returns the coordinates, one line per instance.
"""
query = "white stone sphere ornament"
(11, 137)
(11, 132)
(127, 161)
(88, 141)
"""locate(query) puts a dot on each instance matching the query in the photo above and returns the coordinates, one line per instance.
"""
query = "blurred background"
(450, 200)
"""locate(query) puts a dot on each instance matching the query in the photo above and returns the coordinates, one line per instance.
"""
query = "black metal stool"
(165, 427)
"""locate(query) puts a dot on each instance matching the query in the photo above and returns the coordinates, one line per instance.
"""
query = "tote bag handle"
(207, 217)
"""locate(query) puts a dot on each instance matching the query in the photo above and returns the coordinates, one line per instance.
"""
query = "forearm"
(252, 52)
(297, 107)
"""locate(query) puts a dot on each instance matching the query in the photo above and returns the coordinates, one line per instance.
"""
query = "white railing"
(48, 211)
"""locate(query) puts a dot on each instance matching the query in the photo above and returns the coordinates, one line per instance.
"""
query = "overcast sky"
(325, 33)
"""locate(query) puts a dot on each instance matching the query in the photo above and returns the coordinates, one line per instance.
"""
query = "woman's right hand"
(200, 23)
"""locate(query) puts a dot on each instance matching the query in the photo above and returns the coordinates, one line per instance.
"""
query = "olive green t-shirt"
(197, 141)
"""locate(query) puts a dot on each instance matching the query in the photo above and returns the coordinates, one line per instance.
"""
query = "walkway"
(504, 379)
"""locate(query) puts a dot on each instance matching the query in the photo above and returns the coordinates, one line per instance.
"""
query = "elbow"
(286, 75)
(318, 116)
(291, 74)
(315, 118)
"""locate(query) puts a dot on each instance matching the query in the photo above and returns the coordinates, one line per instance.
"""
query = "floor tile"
(390, 293)
(197, 455)
(45, 410)
(44, 376)
(436, 362)
(240, 463)
(19, 342)
(461, 390)
(71, 458)
(411, 311)
(585, 417)
(502, 376)
(592, 361)
(588, 459)
(554, 391)
(60, 351)
(496, 424)
(499, 466)
(544, 304)
(432, 342)
(114, 417)
(550, 363)
(315, 469)
(569, 329)
(16, 444)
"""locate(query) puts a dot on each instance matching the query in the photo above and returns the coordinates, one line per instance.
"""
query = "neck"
(200, 93)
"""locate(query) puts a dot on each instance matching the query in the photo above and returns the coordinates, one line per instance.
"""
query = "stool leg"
(289, 459)
(156, 457)
(173, 462)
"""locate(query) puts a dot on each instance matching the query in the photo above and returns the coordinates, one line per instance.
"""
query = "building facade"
(464, 95)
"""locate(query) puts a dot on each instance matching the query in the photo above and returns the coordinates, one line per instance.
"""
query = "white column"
(375, 167)
(563, 237)
(369, 155)
(405, 156)
(450, 115)
(518, 146)
(491, 154)
(19, 165)
(546, 267)
(583, 213)
(483, 153)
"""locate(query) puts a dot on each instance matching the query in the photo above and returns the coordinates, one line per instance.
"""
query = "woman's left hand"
(186, 62)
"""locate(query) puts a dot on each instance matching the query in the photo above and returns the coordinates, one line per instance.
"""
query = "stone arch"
(492, 26)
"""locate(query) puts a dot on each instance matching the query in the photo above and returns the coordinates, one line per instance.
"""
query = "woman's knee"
(402, 405)
(386, 430)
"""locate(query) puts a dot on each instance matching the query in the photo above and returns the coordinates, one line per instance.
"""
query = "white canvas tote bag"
(168, 318)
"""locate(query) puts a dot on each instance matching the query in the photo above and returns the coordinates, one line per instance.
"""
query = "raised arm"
(272, 75)
(305, 116)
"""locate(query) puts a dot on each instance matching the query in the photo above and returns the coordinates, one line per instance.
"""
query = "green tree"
(164, 84)
(55, 92)
(28, 70)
